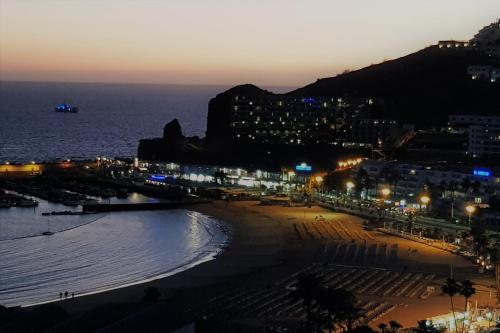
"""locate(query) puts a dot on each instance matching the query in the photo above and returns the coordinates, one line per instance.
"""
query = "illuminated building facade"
(307, 120)
(484, 133)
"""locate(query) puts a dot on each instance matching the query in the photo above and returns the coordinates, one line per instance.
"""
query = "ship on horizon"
(66, 108)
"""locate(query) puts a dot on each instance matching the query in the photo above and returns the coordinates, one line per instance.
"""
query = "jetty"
(140, 206)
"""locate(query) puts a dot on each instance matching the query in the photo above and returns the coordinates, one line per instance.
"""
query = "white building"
(413, 179)
(484, 133)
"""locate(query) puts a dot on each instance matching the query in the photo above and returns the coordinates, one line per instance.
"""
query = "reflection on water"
(118, 249)
(23, 222)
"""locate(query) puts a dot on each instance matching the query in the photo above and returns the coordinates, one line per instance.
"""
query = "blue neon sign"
(303, 167)
(157, 177)
(481, 172)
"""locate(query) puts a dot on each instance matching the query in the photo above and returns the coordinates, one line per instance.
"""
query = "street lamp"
(350, 185)
(385, 192)
(470, 210)
(425, 200)
(318, 179)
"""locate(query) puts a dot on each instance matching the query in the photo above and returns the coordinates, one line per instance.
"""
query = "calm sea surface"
(93, 253)
(112, 118)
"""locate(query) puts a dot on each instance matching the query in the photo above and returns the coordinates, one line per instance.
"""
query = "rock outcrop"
(172, 132)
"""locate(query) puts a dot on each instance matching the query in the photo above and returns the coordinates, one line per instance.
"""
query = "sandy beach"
(268, 245)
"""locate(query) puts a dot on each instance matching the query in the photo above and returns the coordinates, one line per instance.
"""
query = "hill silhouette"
(421, 88)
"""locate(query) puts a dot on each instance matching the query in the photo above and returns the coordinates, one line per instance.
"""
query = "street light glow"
(319, 179)
(425, 199)
(470, 209)
(386, 191)
(349, 185)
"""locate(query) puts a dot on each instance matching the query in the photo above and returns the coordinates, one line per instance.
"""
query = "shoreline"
(196, 276)
(264, 250)
(215, 238)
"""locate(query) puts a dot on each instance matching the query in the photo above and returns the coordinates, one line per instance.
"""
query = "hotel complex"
(483, 131)
(310, 120)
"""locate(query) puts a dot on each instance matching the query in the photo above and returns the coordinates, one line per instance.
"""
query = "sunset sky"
(266, 42)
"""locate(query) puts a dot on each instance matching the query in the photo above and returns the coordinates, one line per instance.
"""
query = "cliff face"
(219, 111)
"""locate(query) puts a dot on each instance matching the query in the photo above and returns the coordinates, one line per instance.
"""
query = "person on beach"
(60, 295)
(65, 294)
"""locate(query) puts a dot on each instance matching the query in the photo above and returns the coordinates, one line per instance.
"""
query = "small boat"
(47, 233)
(66, 108)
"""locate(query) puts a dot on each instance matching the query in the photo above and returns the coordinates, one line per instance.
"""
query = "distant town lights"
(349, 162)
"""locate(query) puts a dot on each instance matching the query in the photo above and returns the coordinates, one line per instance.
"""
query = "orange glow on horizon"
(219, 42)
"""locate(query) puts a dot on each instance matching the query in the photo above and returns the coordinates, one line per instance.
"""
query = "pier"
(140, 206)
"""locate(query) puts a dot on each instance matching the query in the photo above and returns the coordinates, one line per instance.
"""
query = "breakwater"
(140, 206)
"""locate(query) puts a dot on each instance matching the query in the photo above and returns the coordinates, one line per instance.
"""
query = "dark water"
(112, 118)
(111, 251)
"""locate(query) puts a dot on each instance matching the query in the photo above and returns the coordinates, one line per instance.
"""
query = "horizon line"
(150, 83)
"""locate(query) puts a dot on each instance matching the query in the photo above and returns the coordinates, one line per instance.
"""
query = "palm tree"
(424, 327)
(334, 302)
(395, 326)
(466, 185)
(362, 181)
(451, 288)
(351, 314)
(476, 187)
(466, 290)
(219, 177)
(307, 289)
(392, 176)
(452, 186)
(442, 187)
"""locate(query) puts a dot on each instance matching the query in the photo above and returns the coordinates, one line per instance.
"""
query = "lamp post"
(424, 200)
(386, 192)
(470, 210)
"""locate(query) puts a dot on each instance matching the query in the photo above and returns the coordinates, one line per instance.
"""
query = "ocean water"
(108, 251)
(26, 222)
(111, 121)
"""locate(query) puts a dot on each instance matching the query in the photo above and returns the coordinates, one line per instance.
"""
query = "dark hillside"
(421, 88)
